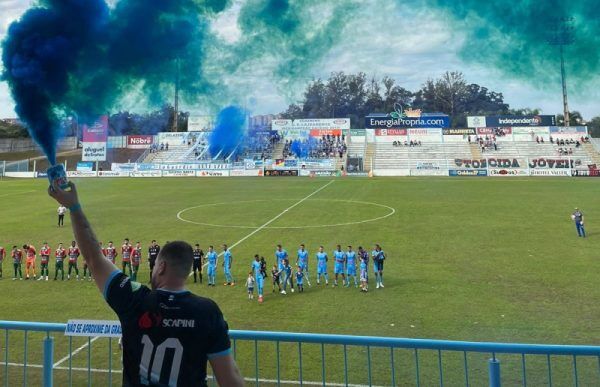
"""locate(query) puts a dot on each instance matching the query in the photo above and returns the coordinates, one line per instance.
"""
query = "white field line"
(75, 352)
(247, 379)
(276, 217)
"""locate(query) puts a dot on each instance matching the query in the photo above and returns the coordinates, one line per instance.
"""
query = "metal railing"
(283, 358)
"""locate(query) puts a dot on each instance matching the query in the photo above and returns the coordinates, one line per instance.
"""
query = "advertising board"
(467, 172)
(139, 141)
(281, 172)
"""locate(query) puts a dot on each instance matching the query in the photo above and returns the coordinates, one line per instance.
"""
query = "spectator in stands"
(551, 140)
(167, 146)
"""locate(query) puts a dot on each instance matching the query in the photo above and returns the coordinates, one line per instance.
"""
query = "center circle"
(295, 206)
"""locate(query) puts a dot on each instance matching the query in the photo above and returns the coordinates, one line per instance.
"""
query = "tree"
(594, 127)
(575, 119)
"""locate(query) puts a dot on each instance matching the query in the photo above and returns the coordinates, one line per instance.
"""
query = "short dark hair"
(179, 256)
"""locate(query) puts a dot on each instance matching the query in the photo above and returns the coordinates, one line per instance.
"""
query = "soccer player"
(378, 258)
(227, 262)
(136, 259)
(286, 272)
(45, 252)
(260, 279)
(351, 266)
(73, 255)
(364, 269)
(169, 334)
(153, 251)
(322, 266)
(2, 256)
(302, 262)
(126, 251)
(60, 255)
(17, 257)
(111, 252)
(275, 276)
(300, 279)
(280, 255)
(198, 261)
(340, 261)
(250, 285)
(30, 263)
(212, 258)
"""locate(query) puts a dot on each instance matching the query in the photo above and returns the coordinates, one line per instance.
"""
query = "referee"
(169, 334)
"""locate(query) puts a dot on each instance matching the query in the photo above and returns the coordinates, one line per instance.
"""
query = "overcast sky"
(402, 47)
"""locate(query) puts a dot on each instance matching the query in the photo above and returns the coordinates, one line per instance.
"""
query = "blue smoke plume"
(228, 133)
(303, 148)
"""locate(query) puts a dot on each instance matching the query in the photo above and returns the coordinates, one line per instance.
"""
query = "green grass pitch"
(475, 259)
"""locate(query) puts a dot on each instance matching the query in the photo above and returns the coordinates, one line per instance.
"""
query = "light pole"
(562, 35)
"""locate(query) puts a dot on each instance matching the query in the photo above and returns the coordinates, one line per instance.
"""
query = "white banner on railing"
(93, 328)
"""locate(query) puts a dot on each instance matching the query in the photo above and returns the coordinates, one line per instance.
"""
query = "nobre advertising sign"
(139, 141)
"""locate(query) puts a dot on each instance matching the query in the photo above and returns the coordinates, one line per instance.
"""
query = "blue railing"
(283, 358)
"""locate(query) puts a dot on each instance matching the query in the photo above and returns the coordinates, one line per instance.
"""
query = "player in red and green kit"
(136, 259)
(73, 255)
(60, 255)
(17, 256)
(126, 251)
(2, 256)
(110, 252)
(45, 252)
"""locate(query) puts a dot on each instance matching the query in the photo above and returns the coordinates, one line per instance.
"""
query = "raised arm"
(84, 235)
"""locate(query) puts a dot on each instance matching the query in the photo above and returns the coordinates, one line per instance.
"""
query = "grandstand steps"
(278, 150)
(476, 151)
(591, 151)
(369, 156)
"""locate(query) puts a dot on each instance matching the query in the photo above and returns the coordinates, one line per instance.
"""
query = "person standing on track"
(168, 334)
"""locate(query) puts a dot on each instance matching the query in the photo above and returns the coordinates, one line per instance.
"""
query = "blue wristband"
(75, 207)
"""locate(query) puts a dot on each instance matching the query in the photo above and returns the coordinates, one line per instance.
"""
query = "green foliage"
(9, 130)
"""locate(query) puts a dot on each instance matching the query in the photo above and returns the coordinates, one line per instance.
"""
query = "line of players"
(282, 273)
(131, 259)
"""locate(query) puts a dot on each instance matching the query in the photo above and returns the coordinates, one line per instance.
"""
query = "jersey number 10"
(159, 357)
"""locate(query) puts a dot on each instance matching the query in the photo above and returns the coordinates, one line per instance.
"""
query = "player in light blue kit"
(322, 266)
(351, 266)
(258, 276)
(302, 262)
(338, 268)
(227, 262)
(212, 258)
(280, 255)
(378, 257)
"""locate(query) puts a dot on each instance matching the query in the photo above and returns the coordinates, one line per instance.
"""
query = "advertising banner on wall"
(94, 140)
(546, 163)
(317, 127)
(510, 121)
(139, 141)
(391, 132)
(580, 130)
(550, 172)
(507, 172)
(424, 120)
(498, 132)
(85, 166)
(281, 172)
(467, 172)
(513, 163)
(458, 132)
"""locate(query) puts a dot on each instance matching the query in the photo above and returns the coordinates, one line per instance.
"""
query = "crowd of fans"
(324, 147)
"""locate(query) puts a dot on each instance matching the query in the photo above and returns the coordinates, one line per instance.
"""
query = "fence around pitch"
(283, 358)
